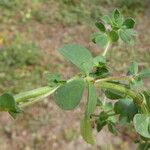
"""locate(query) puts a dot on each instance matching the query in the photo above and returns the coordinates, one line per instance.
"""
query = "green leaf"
(129, 23)
(112, 128)
(124, 35)
(133, 68)
(53, 79)
(141, 124)
(100, 72)
(106, 19)
(136, 84)
(126, 107)
(8, 103)
(92, 99)
(79, 56)
(113, 95)
(107, 106)
(99, 60)
(101, 121)
(117, 18)
(100, 26)
(147, 99)
(113, 36)
(86, 130)
(101, 40)
(69, 94)
(93, 37)
(145, 73)
(115, 14)
(143, 146)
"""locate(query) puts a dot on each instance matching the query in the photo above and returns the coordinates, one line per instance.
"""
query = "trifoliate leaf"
(69, 94)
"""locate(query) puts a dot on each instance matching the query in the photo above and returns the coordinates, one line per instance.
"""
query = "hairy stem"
(137, 98)
(126, 78)
(30, 97)
(38, 99)
(24, 96)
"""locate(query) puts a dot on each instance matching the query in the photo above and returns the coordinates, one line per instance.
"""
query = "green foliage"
(133, 69)
(126, 107)
(101, 121)
(120, 28)
(68, 95)
(142, 125)
(8, 103)
(86, 130)
(129, 23)
(100, 26)
(79, 56)
(92, 99)
(131, 106)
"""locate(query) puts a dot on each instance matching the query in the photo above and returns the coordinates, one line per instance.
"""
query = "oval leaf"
(129, 23)
(106, 19)
(86, 130)
(100, 26)
(125, 107)
(69, 95)
(101, 40)
(141, 124)
(113, 36)
(125, 36)
(7, 103)
(92, 100)
(79, 56)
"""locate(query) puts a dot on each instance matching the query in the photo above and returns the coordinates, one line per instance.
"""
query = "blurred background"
(31, 31)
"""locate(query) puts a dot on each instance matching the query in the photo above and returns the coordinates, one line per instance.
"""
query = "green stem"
(106, 49)
(126, 78)
(136, 97)
(32, 94)
(38, 99)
